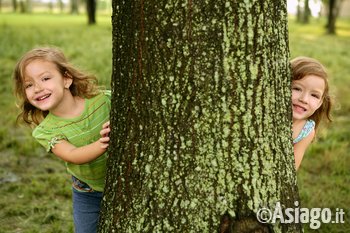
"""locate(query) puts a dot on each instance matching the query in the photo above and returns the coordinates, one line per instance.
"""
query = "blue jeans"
(86, 210)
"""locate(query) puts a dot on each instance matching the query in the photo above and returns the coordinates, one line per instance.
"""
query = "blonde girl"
(70, 115)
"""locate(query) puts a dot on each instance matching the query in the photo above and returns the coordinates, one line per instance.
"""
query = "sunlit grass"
(53, 20)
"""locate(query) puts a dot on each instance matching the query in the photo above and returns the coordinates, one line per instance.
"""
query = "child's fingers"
(104, 146)
(105, 132)
(104, 140)
(105, 125)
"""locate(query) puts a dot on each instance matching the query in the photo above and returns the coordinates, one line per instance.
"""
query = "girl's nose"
(37, 87)
(303, 98)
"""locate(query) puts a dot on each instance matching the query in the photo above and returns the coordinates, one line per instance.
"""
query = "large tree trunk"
(201, 117)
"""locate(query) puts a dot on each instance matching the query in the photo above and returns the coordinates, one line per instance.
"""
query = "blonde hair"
(83, 85)
(303, 66)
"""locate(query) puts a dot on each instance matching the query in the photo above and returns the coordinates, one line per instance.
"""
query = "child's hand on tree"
(104, 140)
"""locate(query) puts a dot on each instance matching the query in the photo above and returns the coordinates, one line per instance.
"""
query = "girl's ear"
(68, 80)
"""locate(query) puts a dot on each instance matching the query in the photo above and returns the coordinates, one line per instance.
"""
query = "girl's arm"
(80, 155)
(300, 148)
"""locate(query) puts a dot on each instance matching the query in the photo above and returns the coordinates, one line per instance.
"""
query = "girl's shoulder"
(107, 93)
(308, 128)
(103, 93)
(100, 101)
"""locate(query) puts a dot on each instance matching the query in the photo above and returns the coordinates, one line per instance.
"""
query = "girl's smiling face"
(307, 96)
(44, 85)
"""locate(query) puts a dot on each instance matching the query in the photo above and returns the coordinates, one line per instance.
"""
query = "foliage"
(35, 187)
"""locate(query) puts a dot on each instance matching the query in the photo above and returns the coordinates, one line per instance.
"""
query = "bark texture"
(201, 117)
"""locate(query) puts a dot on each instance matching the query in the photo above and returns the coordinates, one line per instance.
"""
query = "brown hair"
(303, 66)
(83, 85)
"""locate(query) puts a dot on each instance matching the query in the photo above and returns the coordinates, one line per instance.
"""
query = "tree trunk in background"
(307, 12)
(201, 117)
(22, 7)
(331, 17)
(29, 6)
(74, 7)
(334, 7)
(91, 11)
(299, 11)
(61, 5)
(14, 5)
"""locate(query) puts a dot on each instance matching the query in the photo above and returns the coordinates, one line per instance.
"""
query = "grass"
(35, 187)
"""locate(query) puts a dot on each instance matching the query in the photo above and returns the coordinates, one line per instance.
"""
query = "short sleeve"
(47, 138)
(108, 93)
(306, 130)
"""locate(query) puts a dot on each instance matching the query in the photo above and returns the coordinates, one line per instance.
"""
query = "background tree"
(14, 5)
(299, 11)
(74, 7)
(23, 6)
(331, 17)
(201, 117)
(334, 7)
(303, 11)
(91, 11)
(60, 5)
(307, 12)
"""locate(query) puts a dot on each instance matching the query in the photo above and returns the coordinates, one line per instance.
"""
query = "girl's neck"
(73, 107)
(299, 121)
(298, 124)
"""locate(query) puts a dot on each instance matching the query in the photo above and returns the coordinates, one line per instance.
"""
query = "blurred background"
(35, 187)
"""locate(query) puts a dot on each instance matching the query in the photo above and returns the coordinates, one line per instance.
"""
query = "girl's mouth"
(299, 108)
(43, 97)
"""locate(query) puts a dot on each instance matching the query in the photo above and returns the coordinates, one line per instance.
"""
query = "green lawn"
(35, 187)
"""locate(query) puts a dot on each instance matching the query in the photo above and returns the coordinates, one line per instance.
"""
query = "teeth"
(43, 97)
(299, 108)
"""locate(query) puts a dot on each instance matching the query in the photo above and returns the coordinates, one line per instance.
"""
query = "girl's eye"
(28, 85)
(45, 78)
(315, 96)
(296, 89)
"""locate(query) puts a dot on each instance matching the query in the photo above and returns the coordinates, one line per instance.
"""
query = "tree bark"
(201, 117)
